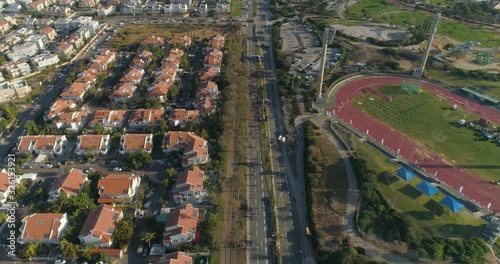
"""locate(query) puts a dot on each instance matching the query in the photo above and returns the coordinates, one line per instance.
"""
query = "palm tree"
(148, 237)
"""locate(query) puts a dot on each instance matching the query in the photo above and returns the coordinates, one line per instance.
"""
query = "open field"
(487, 87)
(430, 120)
(419, 208)
(236, 6)
(329, 190)
(134, 34)
(381, 12)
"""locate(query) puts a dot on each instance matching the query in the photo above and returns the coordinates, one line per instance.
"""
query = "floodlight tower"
(327, 40)
(434, 27)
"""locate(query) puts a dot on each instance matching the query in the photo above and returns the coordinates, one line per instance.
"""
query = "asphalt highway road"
(295, 246)
(259, 225)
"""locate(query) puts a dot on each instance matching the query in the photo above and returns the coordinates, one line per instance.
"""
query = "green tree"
(153, 103)
(69, 250)
(171, 172)
(103, 257)
(137, 160)
(31, 128)
(29, 251)
(122, 234)
(86, 253)
(148, 237)
(91, 155)
(174, 91)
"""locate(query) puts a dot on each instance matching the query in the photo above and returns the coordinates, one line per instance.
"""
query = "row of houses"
(194, 148)
(117, 188)
(56, 8)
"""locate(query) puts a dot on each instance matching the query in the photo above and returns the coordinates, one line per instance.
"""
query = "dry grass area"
(330, 196)
(134, 34)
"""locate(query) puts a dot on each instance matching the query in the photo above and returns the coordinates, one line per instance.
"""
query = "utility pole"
(327, 40)
(434, 27)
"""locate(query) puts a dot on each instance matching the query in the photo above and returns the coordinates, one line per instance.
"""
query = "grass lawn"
(202, 259)
(136, 33)
(496, 247)
(379, 11)
(419, 208)
(430, 121)
(447, 78)
(441, 2)
(236, 8)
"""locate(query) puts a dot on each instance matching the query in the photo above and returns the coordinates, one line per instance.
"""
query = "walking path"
(353, 192)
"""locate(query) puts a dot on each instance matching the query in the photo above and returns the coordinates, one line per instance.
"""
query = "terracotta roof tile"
(71, 183)
(101, 222)
(41, 226)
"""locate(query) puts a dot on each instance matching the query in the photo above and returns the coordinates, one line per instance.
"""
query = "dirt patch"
(376, 32)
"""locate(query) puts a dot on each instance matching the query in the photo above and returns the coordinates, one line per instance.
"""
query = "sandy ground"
(375, 32)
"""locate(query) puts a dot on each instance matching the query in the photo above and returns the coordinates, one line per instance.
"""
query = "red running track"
(475, 188)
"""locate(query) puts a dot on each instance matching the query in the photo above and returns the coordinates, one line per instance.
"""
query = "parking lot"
(301, 41)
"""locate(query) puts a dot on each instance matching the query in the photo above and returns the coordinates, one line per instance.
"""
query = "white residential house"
(46, 145)
(118, 188)
(17, 69)
(70, 184)
(4, 186)
(13, 8)
(222, 8)
(106, 10)
(43, 227)
(91, 142)
(189, 187)
(99, 226)
(136, 142)
(181, 225)
(114, 119)
(43, 61)
(23, 50)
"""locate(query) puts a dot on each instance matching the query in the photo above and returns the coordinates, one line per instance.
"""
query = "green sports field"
(379, 11)
(429, 120)
(419, 208)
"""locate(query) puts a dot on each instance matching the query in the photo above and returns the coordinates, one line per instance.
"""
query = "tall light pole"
(434, 27)
(327, 40)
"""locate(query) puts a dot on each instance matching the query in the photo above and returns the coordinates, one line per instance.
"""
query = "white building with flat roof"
(43, 61)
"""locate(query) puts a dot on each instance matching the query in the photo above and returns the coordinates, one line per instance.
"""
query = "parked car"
(151, 194)
(117, 169)
(141, 214)
(60, 261)
(145, 252)
(147, 204)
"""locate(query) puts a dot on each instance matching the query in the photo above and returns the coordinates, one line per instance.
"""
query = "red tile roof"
(41, 226)
(184, 217)
(115, 184)
(4, 181)
(138, 142)
(101, 222)
(176, 258)
(71, 183)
